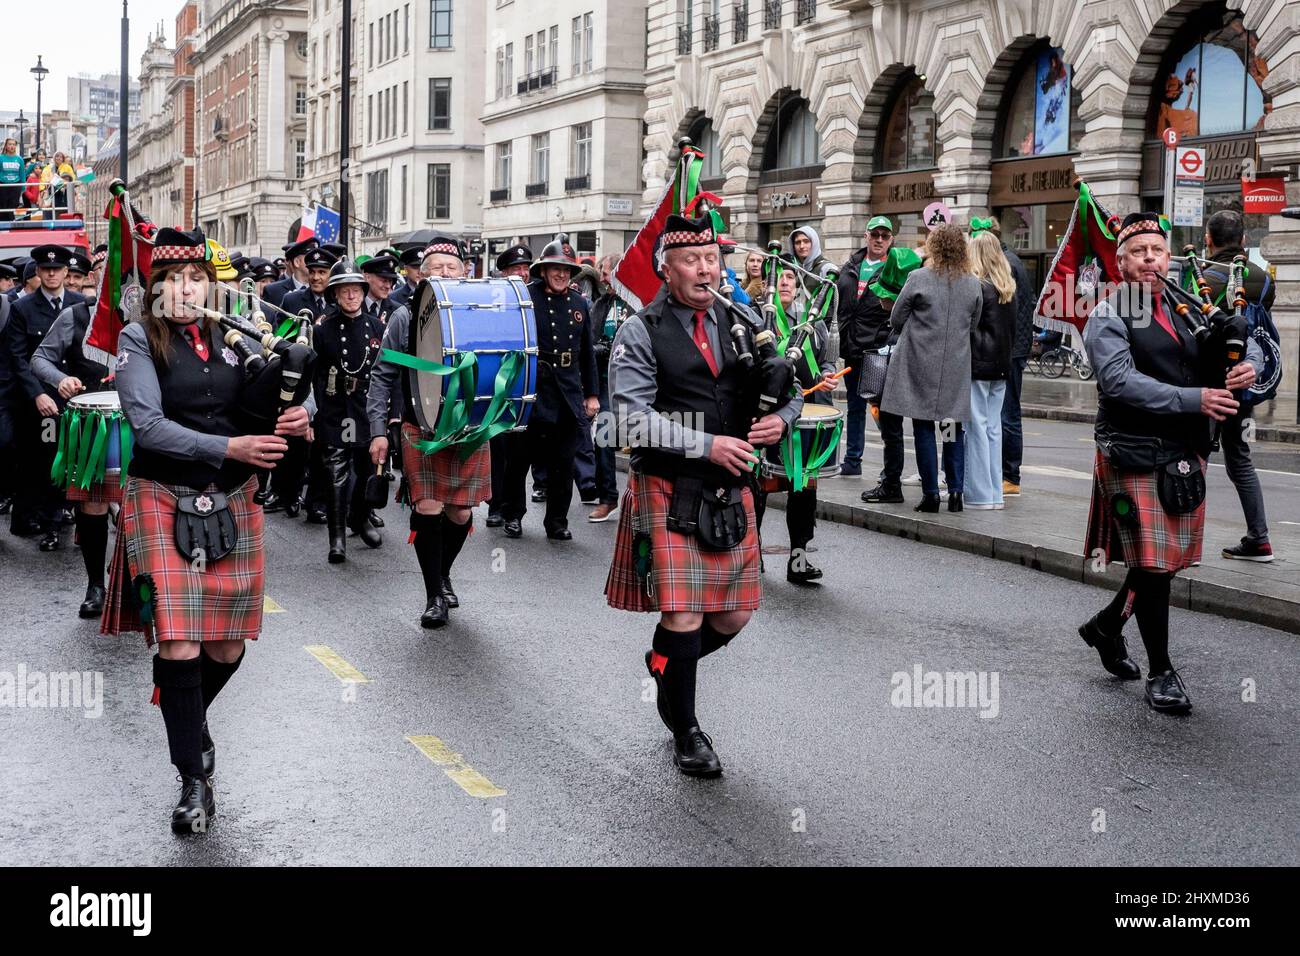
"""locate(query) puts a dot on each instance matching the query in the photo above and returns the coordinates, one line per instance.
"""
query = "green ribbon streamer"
(495, 420)
(285, 327)
(796, 470)
(114, 264)
(94, 470)
(453, 418)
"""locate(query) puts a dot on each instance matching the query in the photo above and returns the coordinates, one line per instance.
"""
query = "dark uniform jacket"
(30, 318)
(400, 296)
(566, 359)
(275, 292)
(304, 298)
(864, 322)
(341, 382)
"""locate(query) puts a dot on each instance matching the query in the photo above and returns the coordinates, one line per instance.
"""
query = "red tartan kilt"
(221, 602)
(445, 476)
(683, 576)
(1157, 541)
(107, 492)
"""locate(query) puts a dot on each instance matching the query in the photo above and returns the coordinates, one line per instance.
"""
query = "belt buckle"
(566, 359)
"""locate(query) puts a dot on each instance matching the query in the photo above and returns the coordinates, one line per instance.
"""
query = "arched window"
(1211, 83)
(703, 136)
(909, 140)
(1041, 114)
(793, 141)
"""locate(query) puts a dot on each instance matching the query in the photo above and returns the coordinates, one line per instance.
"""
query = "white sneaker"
(916, 480)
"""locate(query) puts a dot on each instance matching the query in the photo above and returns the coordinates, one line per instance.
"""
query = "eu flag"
(327, 224)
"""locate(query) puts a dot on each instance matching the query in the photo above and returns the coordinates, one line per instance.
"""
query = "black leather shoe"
(293, 508)
(929, 504)
(375, 520)
(1110, 648)
(260, 496)
(954, 501)
(370, 536)
(6, 504)
(272, 503)
(50, 542)
(560, 534)
(435, 615)
(449, 594)
(94, 602)
(209, 752)
(317, 516)
(338, 546)
(693, 754)
(196, 807)
(806, 574)
(1166, 693)
(884, 494)
(661, 699)
(494, 520)
(539, 494)
(513, 528)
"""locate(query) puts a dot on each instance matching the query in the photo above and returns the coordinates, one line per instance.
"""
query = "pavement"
(1044, 527)
(526, 732)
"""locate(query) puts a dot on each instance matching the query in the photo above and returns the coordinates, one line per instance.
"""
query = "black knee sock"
(1151, 608)
(453, 539)
(428, 551)
(180, 697)
(682, 648)
(711, 640)
(215, 675)
(92, 534)
(1115, 614)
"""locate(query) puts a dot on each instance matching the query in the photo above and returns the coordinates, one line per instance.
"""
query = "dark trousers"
(1013, 438)
(1241, 472)
(8, 449)
(856, 425)
(927, 457)
(554, 444)
(286, 476)
(606, 470)
(505, 448)
(37, 499)
(347, 468)
(891, 433)
(800, 516)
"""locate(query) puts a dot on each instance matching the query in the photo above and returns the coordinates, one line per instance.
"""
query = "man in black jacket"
(864, 327)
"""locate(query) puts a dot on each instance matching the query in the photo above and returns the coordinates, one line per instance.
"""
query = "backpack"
(1260, 327)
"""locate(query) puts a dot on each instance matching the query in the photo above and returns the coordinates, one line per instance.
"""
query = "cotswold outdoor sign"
(1030, 182)
(902, 192)
(788, 201)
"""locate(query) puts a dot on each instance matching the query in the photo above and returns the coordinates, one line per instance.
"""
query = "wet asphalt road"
(540, 690)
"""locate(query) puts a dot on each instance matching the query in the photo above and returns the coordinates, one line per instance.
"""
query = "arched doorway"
(1036, 137)
(790, 167)
(1209, 88)
(898, 116)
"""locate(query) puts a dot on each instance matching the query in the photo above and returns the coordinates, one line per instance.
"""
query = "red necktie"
(1162, 319)
(702, 340)
(200, 346)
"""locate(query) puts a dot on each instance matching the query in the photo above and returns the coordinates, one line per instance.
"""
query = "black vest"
(684, 386)
(1157, 355)
(92, 374)
(203, 396)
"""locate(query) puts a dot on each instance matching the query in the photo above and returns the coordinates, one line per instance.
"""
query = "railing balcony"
(740, 22)
(537, 80)
(683, 39)
(499, 195)
(771, 14)
(712, 27)
(574, 183)
(805, 11)
(534, 190)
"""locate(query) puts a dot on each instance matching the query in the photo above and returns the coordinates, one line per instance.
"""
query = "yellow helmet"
(220, 260)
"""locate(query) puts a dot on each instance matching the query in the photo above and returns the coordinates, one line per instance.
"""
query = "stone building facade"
(829, 111)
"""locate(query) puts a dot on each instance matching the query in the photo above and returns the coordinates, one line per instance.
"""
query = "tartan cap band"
(446, 248)
(1139, 224)
(179, 253)
(678, 240)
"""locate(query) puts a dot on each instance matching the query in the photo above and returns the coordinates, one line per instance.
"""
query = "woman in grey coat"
(929, 371)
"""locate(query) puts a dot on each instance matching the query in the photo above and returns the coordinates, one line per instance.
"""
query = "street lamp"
(39, 71)
(22, 122)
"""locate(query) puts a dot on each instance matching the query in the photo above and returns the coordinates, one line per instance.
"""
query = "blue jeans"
(856, 426)
(927, 457)
(983, 478)
(1013, 442)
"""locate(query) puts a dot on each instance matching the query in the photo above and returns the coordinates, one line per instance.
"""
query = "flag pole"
(124, 97)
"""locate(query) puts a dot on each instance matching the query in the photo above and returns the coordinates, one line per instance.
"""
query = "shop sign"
(788, 201)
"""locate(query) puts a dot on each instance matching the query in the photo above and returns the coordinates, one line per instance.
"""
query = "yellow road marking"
(336, 665)
(454, 766)
(269, 606)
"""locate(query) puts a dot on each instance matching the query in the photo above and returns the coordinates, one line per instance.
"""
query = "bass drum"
(491, 318)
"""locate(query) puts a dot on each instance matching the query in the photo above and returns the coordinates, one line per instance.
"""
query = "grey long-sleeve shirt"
(55, 344)
(633, 387)
(384, 400)
(1110, 354)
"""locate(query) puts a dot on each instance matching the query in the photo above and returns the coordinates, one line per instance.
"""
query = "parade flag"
(319, 222)
(1084, 263)
(635, 281)
(127, 251)
(307, 226)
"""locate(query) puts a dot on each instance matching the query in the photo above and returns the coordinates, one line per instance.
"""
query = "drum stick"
(826, 386)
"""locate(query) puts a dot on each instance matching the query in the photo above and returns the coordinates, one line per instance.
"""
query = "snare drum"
(94, 441)
(492, 318)
(811, 450)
